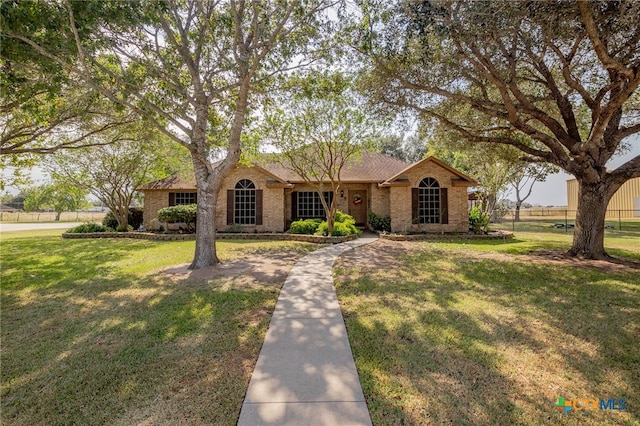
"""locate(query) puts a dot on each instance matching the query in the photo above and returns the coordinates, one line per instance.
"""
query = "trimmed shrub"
(180, 214)
(89, 227)
(344, 225)
(306, 226)
(136, 217)
(379, 223)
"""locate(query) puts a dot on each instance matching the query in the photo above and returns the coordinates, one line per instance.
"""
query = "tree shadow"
(453, 325)
(86, 344)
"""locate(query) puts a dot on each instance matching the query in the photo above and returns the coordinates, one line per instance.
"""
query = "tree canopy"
(191, 68)
(317, 127)
(555, 79)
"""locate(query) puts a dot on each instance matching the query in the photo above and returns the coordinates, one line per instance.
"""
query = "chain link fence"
(562, 219)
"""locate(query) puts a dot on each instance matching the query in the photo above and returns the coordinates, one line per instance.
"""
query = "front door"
(358, 206)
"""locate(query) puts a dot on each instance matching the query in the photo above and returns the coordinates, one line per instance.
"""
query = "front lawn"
(94, 332)
(492, 332)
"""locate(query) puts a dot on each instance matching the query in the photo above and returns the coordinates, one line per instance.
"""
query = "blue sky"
(553, 192)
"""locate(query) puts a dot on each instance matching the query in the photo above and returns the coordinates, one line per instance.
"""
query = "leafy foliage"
(112, 172)
(478, 220)
(306, 226)
(135, 218)
(319, 126)
(86, 228)
(380, 223)
(55, 196)
(557, 80)
(180, 214)
(344, 225)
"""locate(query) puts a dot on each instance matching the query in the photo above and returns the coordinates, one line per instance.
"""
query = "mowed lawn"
(94, 333)
(493, 333)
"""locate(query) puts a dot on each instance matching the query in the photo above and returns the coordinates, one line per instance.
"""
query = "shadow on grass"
(442, 339)
(84, 343)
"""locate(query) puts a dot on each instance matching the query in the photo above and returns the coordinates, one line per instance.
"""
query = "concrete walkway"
(305, 374)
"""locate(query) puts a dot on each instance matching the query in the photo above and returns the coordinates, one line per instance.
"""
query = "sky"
(553, 191)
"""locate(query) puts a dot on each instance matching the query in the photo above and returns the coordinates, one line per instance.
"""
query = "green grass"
(477, 333)
(93, 333)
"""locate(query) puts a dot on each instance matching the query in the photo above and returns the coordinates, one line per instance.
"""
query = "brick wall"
(272, 201)
(400, 201)
(379, 200)
(393, 201)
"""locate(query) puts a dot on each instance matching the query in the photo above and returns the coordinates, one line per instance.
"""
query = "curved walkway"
(305, 373)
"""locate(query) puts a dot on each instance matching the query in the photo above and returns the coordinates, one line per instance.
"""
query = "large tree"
(191, 68)
(43, 106)
(112, 172)
(562, 73)
(319, 128)
(57, 196)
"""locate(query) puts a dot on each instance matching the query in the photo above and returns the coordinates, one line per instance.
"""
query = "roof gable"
(464, 179)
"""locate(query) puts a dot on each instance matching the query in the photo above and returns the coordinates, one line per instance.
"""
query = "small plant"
(478, 221)
(344, 225)
(379, 223)
(306, 226)
(180, 214)
(88, 228)
(135, 219)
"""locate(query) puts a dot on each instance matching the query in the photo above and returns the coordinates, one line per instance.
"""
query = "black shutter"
(444, 206)
(294, 206)
(172, 199)
(415, 205)
(259, 207)
(230, 200)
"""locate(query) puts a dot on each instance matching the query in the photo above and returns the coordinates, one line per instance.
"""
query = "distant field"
(629, 227)
(51, 216)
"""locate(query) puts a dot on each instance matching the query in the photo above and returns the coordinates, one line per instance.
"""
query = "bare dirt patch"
(383, 253)
(259, 269)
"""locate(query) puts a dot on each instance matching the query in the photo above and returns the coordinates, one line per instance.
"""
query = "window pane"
(245, 203)
(310, 205)
(185, 198)
(429, 201)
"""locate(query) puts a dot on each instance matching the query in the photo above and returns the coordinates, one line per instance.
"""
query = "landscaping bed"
(221, 236)
(496, 235)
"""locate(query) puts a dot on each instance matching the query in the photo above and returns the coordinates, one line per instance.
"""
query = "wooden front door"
(358, 206)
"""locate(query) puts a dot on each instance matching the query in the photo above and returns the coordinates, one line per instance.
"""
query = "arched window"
(429, 201)
(245, 203)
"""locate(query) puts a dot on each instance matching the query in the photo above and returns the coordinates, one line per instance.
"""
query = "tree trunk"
(122, 215)
(518, 204)
(331, 218)
(588, 238)
(57, 219)
(208, 189)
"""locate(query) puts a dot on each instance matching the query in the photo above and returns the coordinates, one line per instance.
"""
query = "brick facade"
(390, 198)
(400, 200)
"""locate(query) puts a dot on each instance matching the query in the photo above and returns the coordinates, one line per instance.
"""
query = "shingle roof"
(171, 182)
(370, 167)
